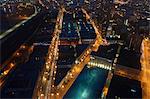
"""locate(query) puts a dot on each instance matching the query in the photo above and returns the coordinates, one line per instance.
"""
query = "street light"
(55, 66)
(12, 64)
(62, 86)
(57, 94)
(42, 95)
(23, 46)
(52, 94)
(17, 53)
(70, 74)
(44, 79)
(52, 85)
(76, 62)
(47, 67)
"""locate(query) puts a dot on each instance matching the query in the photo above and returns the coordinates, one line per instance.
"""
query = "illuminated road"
(18, 25)
(98, 32)
(80, 62)
(45, 88)
(11, 64)
(145, 60)
(47, 76)
(63, 87)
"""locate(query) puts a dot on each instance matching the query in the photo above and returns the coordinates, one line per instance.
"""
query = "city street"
(76, 68)
(47, 76)
(145, 59)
